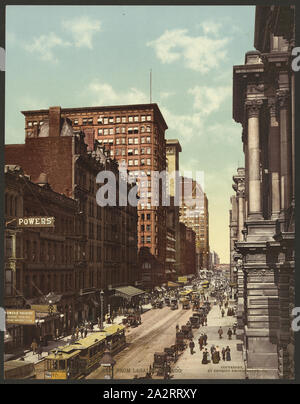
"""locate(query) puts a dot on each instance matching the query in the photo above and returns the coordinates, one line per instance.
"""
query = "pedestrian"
(229, 333)
(201, 342)
(212, 349)
(224, 354)
(192, 346)
(234, 329)
(77, 332)
(205, 321)
(81, 332)
(85, 332)
(228, 355)
(205, 339)
(220, 332)
(215, 357)
(223, 312)
(205, 357)
(40, 352)
(34, 346)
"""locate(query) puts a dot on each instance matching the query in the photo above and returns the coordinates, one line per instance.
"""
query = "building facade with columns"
(263, 103)
(237, 220)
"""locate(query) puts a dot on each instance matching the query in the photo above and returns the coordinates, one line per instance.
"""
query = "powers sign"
(37, 221)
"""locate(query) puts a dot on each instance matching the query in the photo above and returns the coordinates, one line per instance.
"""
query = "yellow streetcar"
(78, 359)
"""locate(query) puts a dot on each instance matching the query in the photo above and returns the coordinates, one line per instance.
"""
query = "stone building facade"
(103, 239)
(264, 104)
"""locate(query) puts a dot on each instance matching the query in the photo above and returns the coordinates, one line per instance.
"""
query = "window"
(84, 121)
(105, 120)
(123, 129)
(105, 131)
(117, 141)
(148, 227)
(142, 162)
(142, 129)
(136, 119)
(148, 150)
(111, 119)
(130, 162)
(148, 128)
(118, 119)
(136, 151)
(143, 118)
(148, 239)
(117, 130)
(143, 140)
(136, 140)
(90, 121)
(30, 124)
(130, 119)
(142, 150)
(136, 162)
(148, 216)
(100, 120)
(148, 117)
(75, 121)
(148, 139)
(123, 140)
(130, 141)
(148, 162)
(130, 152)
(123, 152)
(100, 132)
(111, 131)
(123, 118)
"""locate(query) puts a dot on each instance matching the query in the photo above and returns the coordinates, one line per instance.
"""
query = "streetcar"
(78, 359)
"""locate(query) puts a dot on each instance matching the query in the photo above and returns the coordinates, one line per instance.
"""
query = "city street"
(190, 367)
(157, 331)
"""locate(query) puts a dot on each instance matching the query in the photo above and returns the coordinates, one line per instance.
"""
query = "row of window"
(105, 120)
(143, 162)
(124, 140)
(118, 130)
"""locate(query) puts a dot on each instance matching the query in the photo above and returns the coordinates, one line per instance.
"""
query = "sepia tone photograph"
(149, 193)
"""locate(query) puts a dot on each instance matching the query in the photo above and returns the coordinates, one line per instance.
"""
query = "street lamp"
(108, 361)
(101, 308)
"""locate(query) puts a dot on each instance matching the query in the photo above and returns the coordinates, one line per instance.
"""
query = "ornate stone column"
(255, 205)
(241, 215)
(283, 99)
(274, 160)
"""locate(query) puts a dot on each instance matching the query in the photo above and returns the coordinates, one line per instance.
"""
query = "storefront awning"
(173, 285)
(128, 292)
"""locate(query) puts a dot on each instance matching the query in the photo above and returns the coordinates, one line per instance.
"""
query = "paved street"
(157, 332)
(190, 367)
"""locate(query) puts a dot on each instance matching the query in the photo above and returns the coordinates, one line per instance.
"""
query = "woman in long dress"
(205, 355)
(228, 354)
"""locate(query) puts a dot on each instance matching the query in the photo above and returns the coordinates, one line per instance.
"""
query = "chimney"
(54, 121)
(42, 180)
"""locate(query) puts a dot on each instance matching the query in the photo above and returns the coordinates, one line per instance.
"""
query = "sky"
(76, 56)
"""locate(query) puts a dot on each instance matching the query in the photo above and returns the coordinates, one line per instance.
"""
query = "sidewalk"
(30, 357)
(190, 366)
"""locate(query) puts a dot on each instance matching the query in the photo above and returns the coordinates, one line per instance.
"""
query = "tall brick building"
(197, 218)
(105, 254)
(134, 134)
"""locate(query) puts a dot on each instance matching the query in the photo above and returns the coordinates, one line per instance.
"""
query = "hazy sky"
(84, 56)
